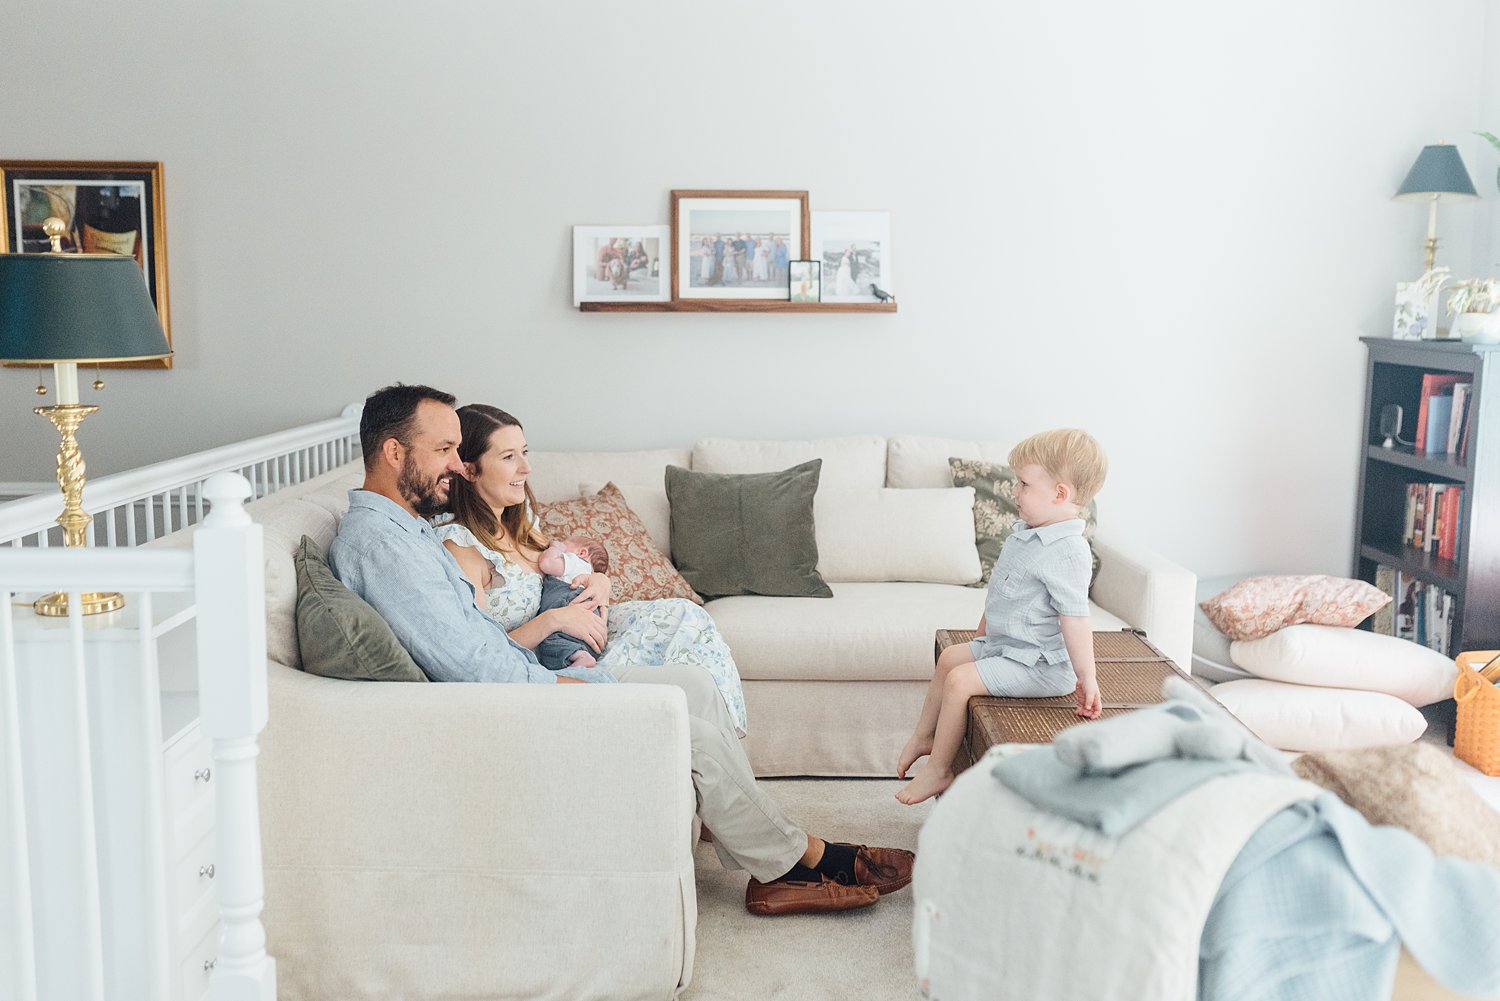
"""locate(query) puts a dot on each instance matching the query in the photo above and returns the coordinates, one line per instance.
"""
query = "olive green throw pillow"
(747, 533)
(340, 635)
(995, 511)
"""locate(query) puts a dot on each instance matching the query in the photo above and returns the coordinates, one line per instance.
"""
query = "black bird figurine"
(881, 294)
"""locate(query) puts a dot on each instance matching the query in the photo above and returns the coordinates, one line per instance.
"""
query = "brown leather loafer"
(884, 869)
(786, 896)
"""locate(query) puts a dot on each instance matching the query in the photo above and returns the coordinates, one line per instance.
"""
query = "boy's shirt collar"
(1049, 533)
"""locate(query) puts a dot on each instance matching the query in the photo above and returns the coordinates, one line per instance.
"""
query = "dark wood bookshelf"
(1393, 374)
(736, 306)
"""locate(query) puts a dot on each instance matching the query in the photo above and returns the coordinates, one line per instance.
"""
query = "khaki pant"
(750, 831)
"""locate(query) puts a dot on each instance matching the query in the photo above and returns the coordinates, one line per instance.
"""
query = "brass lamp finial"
(54, 228)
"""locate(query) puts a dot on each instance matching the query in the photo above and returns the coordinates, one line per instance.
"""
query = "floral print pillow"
(637, 569)
(995, 512)
(1259, 606)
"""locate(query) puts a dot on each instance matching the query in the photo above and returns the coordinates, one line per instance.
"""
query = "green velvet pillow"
(340, 635)
(747, 533)
(995, 512)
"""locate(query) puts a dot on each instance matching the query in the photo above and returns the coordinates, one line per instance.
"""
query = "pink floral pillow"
(1259, 606)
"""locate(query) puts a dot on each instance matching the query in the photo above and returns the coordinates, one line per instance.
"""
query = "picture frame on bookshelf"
(621, 264)
(749, 239)
(108, 207)
(1416, 311)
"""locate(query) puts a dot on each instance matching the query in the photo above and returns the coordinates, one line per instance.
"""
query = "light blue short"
(1011, 679)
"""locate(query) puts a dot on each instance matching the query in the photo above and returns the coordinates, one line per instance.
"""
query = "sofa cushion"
(556, 476)
(284, 523)
(919, 461)
(1340, 657)
(747, 533)
(865, 632)
(847, 462)
(1304, 718)
(1258, 606)
(995, 513)
(339, 635)
(638, 571)
(878, 534)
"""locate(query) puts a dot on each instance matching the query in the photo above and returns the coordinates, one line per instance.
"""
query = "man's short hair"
(1069, 456)
(392, 413)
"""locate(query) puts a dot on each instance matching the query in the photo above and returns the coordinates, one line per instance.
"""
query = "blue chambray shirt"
(394, 560)
(1041, 573)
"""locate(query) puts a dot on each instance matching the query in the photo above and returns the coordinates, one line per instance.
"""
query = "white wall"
(1166, 221)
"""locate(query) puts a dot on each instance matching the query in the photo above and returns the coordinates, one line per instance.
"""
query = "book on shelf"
(1423, 612)
(1462, 391)
(1439, 416)
(1433, 384)
(1433, 519)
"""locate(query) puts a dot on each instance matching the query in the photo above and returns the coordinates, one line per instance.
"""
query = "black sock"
(837, 862)
(801, 874)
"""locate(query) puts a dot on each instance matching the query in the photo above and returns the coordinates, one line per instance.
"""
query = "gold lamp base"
(94, 602)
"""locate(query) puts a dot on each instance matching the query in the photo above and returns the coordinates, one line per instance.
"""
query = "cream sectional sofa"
(483, 840)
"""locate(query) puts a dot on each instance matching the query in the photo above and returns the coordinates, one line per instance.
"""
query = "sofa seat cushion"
(865, 632)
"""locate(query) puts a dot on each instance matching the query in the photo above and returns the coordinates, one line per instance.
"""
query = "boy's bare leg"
(921, 738)
(953, 716)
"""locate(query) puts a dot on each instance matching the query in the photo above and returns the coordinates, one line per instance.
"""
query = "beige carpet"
(864, 954)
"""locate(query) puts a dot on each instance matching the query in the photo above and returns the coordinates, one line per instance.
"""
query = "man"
(388, 554)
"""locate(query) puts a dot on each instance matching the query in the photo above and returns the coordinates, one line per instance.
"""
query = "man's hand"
(1088, 699)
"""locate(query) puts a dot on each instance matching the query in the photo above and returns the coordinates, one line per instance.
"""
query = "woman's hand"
(595, 591)
(578, 622)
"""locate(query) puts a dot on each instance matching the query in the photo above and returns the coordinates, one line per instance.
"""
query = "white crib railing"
(139, 505)
(65, 923)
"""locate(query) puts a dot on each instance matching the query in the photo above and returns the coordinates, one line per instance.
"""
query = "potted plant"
(1472, 304)
(1495, 142)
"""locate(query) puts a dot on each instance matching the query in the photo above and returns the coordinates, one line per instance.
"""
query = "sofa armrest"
(472, 840)
(1150, 592)
(598, 775)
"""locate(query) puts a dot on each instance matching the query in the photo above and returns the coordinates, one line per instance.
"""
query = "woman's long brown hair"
(479, 422)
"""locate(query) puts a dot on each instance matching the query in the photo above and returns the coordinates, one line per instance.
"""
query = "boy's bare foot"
(914, 749)
(930, 781)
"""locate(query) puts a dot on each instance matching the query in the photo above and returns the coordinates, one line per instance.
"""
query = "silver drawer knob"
(206, 871)
(203, 775)
(209, 964)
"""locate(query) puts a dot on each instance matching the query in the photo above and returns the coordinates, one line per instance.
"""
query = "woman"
(705, 262)
(763, 261)
(496, 543)
(844, 282)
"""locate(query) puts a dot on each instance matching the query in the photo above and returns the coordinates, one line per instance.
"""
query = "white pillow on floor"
(1304, 718)
(1340, 657)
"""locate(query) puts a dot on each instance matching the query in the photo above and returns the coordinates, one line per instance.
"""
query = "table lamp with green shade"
(1437, 175)
(64, 310)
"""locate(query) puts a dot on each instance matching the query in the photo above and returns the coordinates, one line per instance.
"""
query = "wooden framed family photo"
(737, 245)
(108, 207)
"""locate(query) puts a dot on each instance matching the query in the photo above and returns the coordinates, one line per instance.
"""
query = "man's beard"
(421, 494)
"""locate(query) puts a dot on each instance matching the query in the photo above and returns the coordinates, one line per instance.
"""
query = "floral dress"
(641, 633)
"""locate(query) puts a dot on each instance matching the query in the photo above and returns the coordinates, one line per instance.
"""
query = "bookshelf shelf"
(1402, 372)
(1443, 466)
(736, 306)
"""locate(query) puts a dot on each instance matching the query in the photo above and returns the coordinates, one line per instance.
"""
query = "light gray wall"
(1167, 222)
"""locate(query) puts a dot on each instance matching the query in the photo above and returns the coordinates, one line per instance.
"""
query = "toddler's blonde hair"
(1069, 455)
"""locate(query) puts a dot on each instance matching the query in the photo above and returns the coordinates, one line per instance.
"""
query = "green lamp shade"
(1439, 171)
(76, 308)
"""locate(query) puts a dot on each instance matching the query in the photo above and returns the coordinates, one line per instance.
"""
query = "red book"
(1448, 537)
(1432, 383)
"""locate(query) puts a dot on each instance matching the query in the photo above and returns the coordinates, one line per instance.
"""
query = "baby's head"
(583, 546)
(1057, 474)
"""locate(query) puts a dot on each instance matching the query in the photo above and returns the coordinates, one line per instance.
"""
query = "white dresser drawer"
(193, 974)
(188, 776)
(194, 874)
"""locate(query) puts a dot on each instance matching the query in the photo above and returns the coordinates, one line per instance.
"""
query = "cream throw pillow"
(881, 534)
(1340, 657)
(1304, 718)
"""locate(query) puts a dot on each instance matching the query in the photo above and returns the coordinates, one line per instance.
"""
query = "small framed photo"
(855, 248)
(1416, 311)
(620, 264)
(108, 207)
(737, 244)
(806, 281)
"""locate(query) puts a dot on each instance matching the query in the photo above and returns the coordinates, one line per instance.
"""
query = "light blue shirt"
(1041, 573)
(393, 560)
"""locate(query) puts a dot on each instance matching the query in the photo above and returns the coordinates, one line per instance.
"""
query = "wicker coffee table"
(1130, 672)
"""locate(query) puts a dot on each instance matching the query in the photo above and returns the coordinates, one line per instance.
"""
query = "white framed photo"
(737, 244)
(621, 264)
(855, 248)
(1416, 312)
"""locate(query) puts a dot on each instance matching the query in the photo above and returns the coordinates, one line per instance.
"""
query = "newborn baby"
(562, 563)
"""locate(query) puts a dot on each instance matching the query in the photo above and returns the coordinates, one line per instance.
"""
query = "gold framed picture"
(108, 207)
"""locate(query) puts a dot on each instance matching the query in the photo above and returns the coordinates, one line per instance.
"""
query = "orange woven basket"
(1476, 737)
